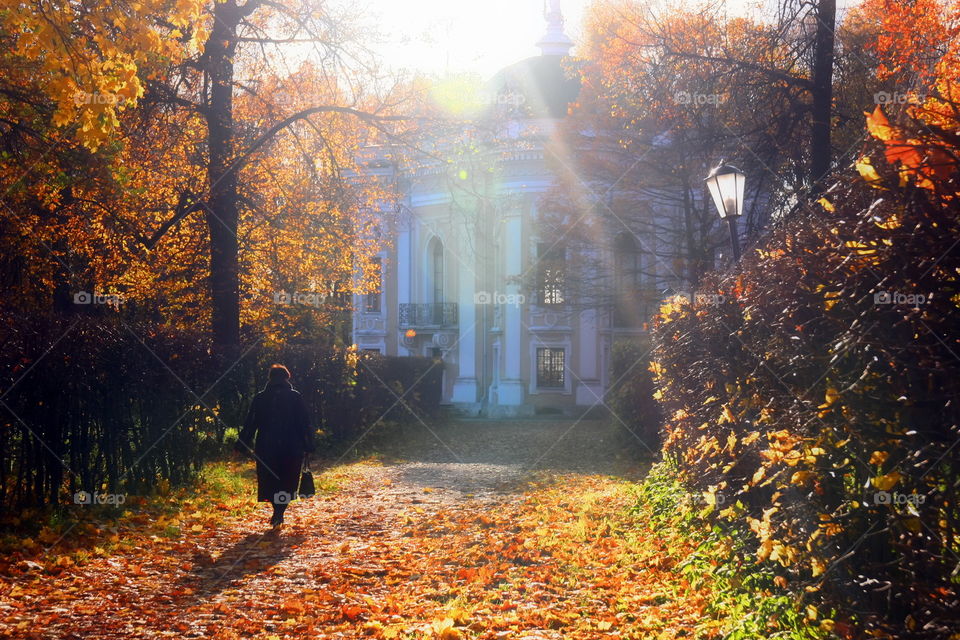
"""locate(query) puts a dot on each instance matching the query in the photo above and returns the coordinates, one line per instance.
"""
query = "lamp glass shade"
(726, 186)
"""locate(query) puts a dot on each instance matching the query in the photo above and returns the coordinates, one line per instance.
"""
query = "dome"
(538, 87)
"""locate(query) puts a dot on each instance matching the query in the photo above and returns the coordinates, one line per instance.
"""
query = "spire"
(554, 42)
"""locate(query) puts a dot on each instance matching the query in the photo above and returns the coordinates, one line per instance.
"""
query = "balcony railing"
(430, 314)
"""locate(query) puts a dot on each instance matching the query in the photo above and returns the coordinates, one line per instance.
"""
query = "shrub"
(819, 398)
(630, 396)
(746, 601)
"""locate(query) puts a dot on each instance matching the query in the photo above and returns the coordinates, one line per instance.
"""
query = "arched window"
(551, 265)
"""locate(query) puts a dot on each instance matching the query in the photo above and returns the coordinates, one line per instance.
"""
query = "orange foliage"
(101, 160)
(918, 44)
(564, 558)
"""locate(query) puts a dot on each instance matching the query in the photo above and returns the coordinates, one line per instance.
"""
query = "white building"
(476, 278)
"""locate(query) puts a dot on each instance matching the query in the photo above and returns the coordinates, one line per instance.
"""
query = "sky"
(480, 36)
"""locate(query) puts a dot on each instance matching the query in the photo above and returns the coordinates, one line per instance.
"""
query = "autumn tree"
(239, 33)
(669, 93)
(795, 49)
(199, 110)
(68, 77)
(918, 125)
(647, 127)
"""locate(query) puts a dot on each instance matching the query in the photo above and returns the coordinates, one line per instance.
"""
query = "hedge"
(814, 401)
(101, 403)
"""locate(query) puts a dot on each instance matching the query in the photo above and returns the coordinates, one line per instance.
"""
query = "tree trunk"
(822, 97)
(222, 211)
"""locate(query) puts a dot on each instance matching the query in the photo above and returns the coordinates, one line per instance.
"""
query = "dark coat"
(279, 422)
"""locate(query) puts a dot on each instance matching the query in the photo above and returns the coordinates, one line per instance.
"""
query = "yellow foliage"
(445, 630)
(886, 482)
(92, 61)
(829, 299)
(868, 172)
(879, 126)
(831, 396)
(817, 567)
(727, 415)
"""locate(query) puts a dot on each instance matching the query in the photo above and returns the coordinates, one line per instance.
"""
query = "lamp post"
(726, 183)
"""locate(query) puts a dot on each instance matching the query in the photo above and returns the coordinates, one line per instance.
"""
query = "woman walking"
(278, 434)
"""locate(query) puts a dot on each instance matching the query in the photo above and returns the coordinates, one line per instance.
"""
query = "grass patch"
(748, 600)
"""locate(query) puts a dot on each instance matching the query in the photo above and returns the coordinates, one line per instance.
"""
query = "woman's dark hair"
(279, 373)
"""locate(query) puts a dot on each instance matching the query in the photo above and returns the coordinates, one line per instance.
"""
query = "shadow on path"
(255, 553)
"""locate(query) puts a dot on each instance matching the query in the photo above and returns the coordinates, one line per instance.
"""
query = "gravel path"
(469, 456)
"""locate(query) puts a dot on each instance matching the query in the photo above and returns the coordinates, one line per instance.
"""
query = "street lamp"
(726, 186)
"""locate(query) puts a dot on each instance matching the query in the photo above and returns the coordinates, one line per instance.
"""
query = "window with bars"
(550, 367)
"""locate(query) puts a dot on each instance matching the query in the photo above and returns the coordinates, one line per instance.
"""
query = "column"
(511, 386)
(465, 385)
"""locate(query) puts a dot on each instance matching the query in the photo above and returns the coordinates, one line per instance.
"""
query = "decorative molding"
(444, 339)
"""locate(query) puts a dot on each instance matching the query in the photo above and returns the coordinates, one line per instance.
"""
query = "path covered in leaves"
(486, 530)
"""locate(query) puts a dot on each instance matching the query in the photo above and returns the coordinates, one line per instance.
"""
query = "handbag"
(307, 488)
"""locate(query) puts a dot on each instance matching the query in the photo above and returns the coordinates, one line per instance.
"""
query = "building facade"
(475, 278)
